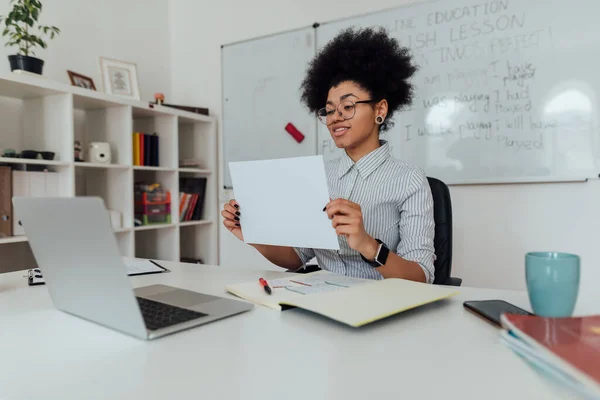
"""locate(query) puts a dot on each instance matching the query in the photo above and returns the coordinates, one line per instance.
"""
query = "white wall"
(489, 248)
(131, 30)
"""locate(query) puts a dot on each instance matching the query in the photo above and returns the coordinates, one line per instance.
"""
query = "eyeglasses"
(346, 109)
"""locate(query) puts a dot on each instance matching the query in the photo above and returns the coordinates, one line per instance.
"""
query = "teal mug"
(552, 282)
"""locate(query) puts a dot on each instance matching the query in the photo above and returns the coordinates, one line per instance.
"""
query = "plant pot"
(26, 63)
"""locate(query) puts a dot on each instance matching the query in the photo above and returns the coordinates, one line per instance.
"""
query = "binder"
(20, 188)
(136, 148)
(148, 151)
(5, 202)
(154, 150)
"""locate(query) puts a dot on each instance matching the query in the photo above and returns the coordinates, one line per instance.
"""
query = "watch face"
(382, 254)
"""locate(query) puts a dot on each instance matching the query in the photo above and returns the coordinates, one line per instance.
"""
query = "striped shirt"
(396, 205)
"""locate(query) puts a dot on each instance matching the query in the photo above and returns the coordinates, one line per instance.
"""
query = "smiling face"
(353, 126)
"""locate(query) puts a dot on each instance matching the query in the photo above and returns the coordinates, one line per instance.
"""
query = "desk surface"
(439, 351)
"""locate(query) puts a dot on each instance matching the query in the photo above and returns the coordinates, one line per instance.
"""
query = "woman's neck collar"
(363, 149)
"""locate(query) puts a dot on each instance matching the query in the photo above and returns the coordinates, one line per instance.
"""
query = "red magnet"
(296, 134)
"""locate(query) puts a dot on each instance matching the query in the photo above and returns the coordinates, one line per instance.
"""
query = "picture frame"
(81, 80)
(120, 78)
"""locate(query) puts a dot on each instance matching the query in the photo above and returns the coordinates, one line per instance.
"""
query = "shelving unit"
(39, 114)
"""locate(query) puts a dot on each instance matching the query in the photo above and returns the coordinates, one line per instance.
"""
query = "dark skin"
(358, 136)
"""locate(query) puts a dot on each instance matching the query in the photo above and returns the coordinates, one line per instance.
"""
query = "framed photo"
(120, 78)
(81, 80)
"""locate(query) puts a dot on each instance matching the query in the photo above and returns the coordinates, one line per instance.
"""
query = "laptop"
(75, 248)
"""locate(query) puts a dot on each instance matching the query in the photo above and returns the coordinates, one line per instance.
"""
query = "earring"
(379, 120)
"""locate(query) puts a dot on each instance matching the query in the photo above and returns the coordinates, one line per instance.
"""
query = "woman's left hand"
(347, 220)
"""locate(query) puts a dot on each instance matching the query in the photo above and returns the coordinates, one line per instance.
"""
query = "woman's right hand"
(231, 218)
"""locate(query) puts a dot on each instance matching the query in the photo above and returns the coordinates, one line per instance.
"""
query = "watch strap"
(380, 256)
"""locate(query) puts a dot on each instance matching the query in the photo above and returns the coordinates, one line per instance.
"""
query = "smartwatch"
(380, 256)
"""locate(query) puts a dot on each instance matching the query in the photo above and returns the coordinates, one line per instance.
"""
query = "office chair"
(442, 242)
(442, 214)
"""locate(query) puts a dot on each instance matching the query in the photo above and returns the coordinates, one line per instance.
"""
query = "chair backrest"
(442, 213)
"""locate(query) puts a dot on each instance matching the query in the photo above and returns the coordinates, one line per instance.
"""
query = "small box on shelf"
(152, 205)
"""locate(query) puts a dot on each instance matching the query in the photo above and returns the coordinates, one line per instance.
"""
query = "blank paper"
(282, 200)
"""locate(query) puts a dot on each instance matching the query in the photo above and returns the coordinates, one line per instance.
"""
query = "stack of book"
(191, 198)
(565, 350)
(145, 149)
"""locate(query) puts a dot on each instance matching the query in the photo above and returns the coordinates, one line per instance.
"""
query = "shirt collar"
(367, 164)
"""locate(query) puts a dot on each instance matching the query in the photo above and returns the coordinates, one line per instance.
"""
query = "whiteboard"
(507, 90)
(261, 95)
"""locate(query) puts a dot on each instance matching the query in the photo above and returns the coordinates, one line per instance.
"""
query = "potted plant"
(24, 32)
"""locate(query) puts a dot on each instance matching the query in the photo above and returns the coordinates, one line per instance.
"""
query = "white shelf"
(31, 161)
(41, 114)
(79, 164)
(195, 223)
(13, 239)
(147, 168)
(196, 171)
(26, 87)
(153, 227)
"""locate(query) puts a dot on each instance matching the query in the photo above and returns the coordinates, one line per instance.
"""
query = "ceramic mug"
(552, 282)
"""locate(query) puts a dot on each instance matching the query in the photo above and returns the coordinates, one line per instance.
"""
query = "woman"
(382, 208)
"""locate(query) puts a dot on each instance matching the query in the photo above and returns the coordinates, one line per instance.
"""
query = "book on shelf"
(563, 349)
(191, 198)
(145, 149)
(197, 110)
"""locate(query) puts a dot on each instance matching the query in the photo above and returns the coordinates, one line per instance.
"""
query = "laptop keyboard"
(160, 315)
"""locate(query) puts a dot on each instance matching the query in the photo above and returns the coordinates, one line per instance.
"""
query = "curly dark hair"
(368, 57)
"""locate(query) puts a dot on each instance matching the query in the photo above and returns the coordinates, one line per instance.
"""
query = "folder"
(20, 188)
(354, 304)
(5, 202)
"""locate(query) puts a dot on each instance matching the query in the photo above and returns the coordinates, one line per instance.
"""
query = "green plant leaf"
(24, 14)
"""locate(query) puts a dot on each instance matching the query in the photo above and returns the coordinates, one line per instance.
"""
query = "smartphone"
(490, 310)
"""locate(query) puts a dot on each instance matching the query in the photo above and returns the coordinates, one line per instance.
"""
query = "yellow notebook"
(354, 302)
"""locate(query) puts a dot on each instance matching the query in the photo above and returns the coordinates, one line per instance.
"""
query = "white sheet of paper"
(281, 202)
(324, 288)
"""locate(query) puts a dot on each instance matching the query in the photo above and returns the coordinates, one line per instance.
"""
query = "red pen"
(265, 285)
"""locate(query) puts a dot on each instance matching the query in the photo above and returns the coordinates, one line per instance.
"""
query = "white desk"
(439, 351)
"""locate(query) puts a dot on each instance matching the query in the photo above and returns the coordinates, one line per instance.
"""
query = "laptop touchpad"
(182, 298)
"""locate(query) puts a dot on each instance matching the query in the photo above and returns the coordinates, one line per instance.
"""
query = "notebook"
(570, 345)
(351, 301)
